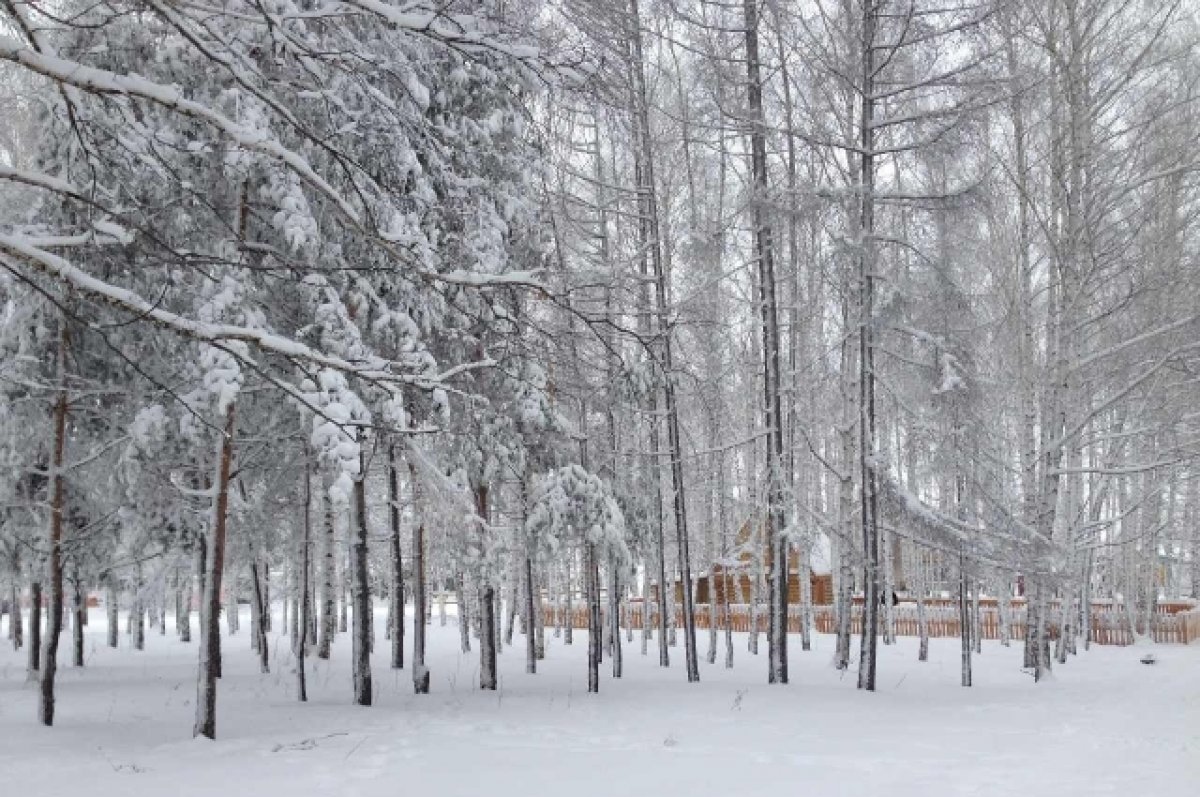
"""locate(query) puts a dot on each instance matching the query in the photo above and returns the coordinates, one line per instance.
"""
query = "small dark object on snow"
(1148, 659)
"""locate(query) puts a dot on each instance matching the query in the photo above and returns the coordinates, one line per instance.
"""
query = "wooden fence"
(1110, 624)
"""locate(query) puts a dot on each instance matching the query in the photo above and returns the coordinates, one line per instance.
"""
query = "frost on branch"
(569, 505)
(337, 428)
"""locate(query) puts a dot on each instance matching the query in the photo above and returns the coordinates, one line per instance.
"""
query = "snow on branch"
(374, 369)
(1006, 538)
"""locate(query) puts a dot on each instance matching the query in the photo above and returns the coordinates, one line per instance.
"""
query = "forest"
(413, 331)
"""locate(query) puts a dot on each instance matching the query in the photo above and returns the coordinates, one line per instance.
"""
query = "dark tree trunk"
(361, 592)
(16, 630)
(396, 593)
(328, 600)
(964, 616)
(614, 618)
(54, 620)
(487, 606)
(420, 592)
(867, 444)
(210, 630)
(35, 628)
(531, 625)
(112, 602)
(303, 604)
(260, 622)
(777, 574)
(80, 606)
(595, 629)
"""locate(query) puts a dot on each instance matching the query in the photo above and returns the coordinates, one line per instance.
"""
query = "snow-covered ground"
(1105, 725)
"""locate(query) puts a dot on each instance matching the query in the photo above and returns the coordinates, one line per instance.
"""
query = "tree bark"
(16, 630)
(867, 438)
(259, 622)
(487, 607)
(79, 602)
(303, 604)
(361, 591)
(35, 629)
(54, 619)
(328, 623)
(777, 575)
(595, 630)
(210, 647)
(420, 588)
(396, 593)
(111, 601)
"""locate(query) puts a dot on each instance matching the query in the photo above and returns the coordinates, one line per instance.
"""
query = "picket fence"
(1172, 623)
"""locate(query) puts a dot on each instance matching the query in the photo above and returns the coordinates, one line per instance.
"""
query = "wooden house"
(736, 575)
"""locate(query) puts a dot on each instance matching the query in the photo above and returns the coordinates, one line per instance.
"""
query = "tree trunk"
(258, 622)
(79, 602)
(964, 616)
(54, 619)
(568, 617)
(201, 574)
(777, 575)
(464, 613)
(614, 618)
(361, 591)
(210, 647)
(487, 606)
(396, 592)
(595, 631)
(303, 604)
(921, 588)
(328, 624)
(866, 353)
(114, 620)
(16, 630)
(420, 589)
(844, 610)
(35, 629)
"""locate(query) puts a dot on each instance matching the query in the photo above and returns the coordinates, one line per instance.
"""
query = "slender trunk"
(79, 602)
(183, 613)
(539, 614)
(595, 631)
(844, 611)
(54, 619)
(464, 614)
(328, 625)
(361, 591)
(568, 606)
(35, 629)
(531, 625)
(777, 574)
(614, 618)
(201, 570)
(114, 619)
(16, 630)
(964, 616)
(487, 606)
(652, 270)
(530, 610)
(920, 587)
(137, 616)
(303, 605)
(233, 619)
(258, 622)
(420, 589)
(210, 647)
(396, 627)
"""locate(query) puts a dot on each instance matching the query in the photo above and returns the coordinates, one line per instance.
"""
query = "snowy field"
(1105, 725)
